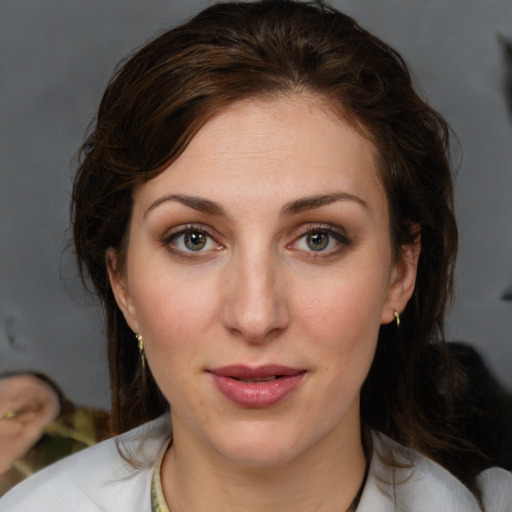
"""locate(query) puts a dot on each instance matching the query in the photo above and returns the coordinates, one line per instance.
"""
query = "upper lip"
(239, 371)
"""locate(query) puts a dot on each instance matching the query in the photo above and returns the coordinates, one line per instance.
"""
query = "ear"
(403, 280)
(120, 289)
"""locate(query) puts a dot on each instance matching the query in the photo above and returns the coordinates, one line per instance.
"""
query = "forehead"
(277, 122)
(273, 148)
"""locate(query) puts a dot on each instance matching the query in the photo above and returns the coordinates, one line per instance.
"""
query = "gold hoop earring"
(140, 344)
(397, 318)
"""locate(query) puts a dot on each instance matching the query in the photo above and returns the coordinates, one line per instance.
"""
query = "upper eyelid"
(183, 228)
(303, 230)
(332, 228)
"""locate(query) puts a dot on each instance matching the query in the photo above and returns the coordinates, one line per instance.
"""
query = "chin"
(257, 446)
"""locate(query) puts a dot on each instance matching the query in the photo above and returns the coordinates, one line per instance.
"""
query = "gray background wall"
(55, 59)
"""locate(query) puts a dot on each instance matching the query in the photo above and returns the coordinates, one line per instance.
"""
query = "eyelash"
(183, 231)
(332, 232)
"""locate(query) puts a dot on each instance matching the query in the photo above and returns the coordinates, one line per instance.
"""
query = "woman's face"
(259, 268)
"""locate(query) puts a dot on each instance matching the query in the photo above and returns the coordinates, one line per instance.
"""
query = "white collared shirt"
(98, 479)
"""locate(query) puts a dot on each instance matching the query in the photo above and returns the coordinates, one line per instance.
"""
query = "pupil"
(317, 241)
(195, 241)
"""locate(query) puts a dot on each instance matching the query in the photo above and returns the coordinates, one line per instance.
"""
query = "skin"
(260, 292)
(27, 406)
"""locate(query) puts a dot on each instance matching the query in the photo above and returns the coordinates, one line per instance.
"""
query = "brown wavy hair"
(162, 95)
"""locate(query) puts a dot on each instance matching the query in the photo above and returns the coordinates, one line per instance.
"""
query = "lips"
(257, 388)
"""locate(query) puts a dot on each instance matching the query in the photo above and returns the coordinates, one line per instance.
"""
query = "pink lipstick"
(257, 388)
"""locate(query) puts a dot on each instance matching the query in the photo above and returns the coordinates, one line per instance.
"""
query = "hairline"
(330, 106)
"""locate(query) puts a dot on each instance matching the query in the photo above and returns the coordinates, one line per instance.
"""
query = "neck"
(325, 479)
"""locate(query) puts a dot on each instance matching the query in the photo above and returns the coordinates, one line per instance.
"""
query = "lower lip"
(257, 395)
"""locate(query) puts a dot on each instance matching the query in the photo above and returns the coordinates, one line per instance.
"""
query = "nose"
(255, 306)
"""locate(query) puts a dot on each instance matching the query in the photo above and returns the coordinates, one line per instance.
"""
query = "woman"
(265, 207)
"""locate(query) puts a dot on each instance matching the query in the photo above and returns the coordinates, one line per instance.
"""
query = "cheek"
(350, 309)
(343, 323)
(167, 306)
(175, 317)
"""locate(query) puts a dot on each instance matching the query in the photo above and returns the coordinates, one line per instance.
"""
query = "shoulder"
(414, 483)
(95, 479)
(496, 486)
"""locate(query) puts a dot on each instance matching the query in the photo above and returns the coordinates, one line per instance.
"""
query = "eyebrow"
(197, 203)
(292, 208)
(317, 201)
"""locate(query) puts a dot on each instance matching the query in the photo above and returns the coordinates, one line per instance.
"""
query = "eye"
(195, 240)
(318, 241)
(321, 239)
(191, 239)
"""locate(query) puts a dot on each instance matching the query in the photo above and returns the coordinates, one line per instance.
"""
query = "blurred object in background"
(482, 411)
(507, 87)
(507, 82)
(39, 425)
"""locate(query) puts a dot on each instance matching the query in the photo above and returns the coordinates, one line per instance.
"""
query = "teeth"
(252, 381)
